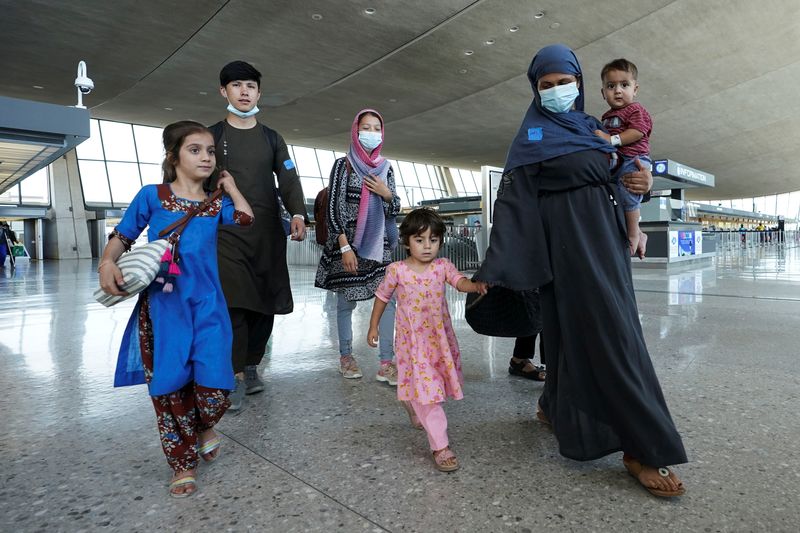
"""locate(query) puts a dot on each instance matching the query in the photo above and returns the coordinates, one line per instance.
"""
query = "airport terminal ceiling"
(719, 77)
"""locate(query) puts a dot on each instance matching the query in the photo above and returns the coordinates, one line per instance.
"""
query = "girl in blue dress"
(178, 339)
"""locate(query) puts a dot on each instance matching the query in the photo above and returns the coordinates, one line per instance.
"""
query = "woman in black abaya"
(559, 229)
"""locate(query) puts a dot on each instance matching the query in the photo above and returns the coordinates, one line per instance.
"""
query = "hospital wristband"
(299, 216)
(346, 248)
(616, 141)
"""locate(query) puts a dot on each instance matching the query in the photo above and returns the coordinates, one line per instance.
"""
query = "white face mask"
(559, 99)
(242, 114)
(370, 139)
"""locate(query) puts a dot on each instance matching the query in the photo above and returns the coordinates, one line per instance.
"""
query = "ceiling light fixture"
(316, 16)
(468, 52)
(513, 29)
(203, 93)
(393, 100)
(370, 11)
(168, 108)
(490, 42)
(555, 25)
(539, 15)
(463, 71)
(38, 87)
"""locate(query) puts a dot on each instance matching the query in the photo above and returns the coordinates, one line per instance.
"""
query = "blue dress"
(191, 329)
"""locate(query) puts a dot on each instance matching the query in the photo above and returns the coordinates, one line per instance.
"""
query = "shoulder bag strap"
(177, 227)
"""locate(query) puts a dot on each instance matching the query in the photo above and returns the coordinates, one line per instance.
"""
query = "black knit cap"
(238, 70)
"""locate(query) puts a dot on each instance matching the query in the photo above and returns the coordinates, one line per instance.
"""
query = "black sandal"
(516, 369)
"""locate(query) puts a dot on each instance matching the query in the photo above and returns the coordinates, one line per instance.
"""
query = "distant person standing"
(7, 240)
(252, 260)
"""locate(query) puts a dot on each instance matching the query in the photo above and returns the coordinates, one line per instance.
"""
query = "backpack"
(321, 209)
(321, 216)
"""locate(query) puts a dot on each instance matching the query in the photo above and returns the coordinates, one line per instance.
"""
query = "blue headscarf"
(545, 135)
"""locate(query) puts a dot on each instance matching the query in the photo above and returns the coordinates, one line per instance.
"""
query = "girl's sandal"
(445, 460)
(208, 448)
(412, 415)
(186, 481)
(635, 468)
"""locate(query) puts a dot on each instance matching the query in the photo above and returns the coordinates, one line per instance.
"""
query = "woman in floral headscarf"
(362, 205)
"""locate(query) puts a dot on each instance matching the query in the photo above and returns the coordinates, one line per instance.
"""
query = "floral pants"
(181, 415)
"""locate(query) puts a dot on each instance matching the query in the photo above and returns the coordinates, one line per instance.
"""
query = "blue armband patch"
(534, 134)
(288, 164)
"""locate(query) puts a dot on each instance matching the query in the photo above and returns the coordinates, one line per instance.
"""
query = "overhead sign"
(682, 173)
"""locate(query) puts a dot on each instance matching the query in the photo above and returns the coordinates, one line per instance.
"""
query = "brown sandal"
(445, 460)
(635, 468)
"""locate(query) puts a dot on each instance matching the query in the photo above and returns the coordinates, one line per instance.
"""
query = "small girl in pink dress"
(428, 360)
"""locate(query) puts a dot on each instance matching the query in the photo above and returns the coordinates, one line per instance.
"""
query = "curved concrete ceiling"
(716, 75)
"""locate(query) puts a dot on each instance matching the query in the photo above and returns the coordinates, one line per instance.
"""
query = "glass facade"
(116, 160)
(33, 190)
(786, 205)
(119, 158)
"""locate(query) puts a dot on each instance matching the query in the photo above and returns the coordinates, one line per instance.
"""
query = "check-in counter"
(672, 244)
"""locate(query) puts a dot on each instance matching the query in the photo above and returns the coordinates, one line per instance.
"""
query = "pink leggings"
(434, 421)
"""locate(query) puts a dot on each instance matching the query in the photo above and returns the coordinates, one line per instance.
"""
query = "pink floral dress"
(428, 359)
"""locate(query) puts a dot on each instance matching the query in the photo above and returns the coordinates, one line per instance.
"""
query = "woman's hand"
(350, 262)
(111, 278)
(481, 287)
(639, 182)
(375, 185)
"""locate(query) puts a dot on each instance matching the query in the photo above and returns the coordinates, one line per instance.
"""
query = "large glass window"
(124, 179)
(326, 160)
(149, 147)
(11, 196)
(35, 189)
(118, 141)
(119, 158)
(306, 161)
(94, 181)
(151, 174)
(92, 148)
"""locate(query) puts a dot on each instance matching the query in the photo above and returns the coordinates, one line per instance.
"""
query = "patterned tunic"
(428, 358)
(344, 196)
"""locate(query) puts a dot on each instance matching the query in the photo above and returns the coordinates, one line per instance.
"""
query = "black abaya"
(602, 394)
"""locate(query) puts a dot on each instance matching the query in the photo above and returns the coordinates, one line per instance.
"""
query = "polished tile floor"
(318, 453)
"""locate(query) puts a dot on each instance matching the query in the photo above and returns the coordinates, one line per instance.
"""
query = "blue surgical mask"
(370, 139)
(559, 99)
(242, 114)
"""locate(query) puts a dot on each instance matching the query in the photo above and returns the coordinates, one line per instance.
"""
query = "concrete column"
(449, 182)
(66, 234)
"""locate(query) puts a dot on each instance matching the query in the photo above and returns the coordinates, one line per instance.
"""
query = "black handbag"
(502, 312)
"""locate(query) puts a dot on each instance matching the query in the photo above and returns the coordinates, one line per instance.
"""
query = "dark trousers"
(525, 348)
(251, 331)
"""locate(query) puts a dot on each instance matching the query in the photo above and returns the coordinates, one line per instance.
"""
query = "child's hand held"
(372, 337)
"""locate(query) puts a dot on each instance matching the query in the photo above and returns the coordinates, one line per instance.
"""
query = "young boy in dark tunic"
(252, 260)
